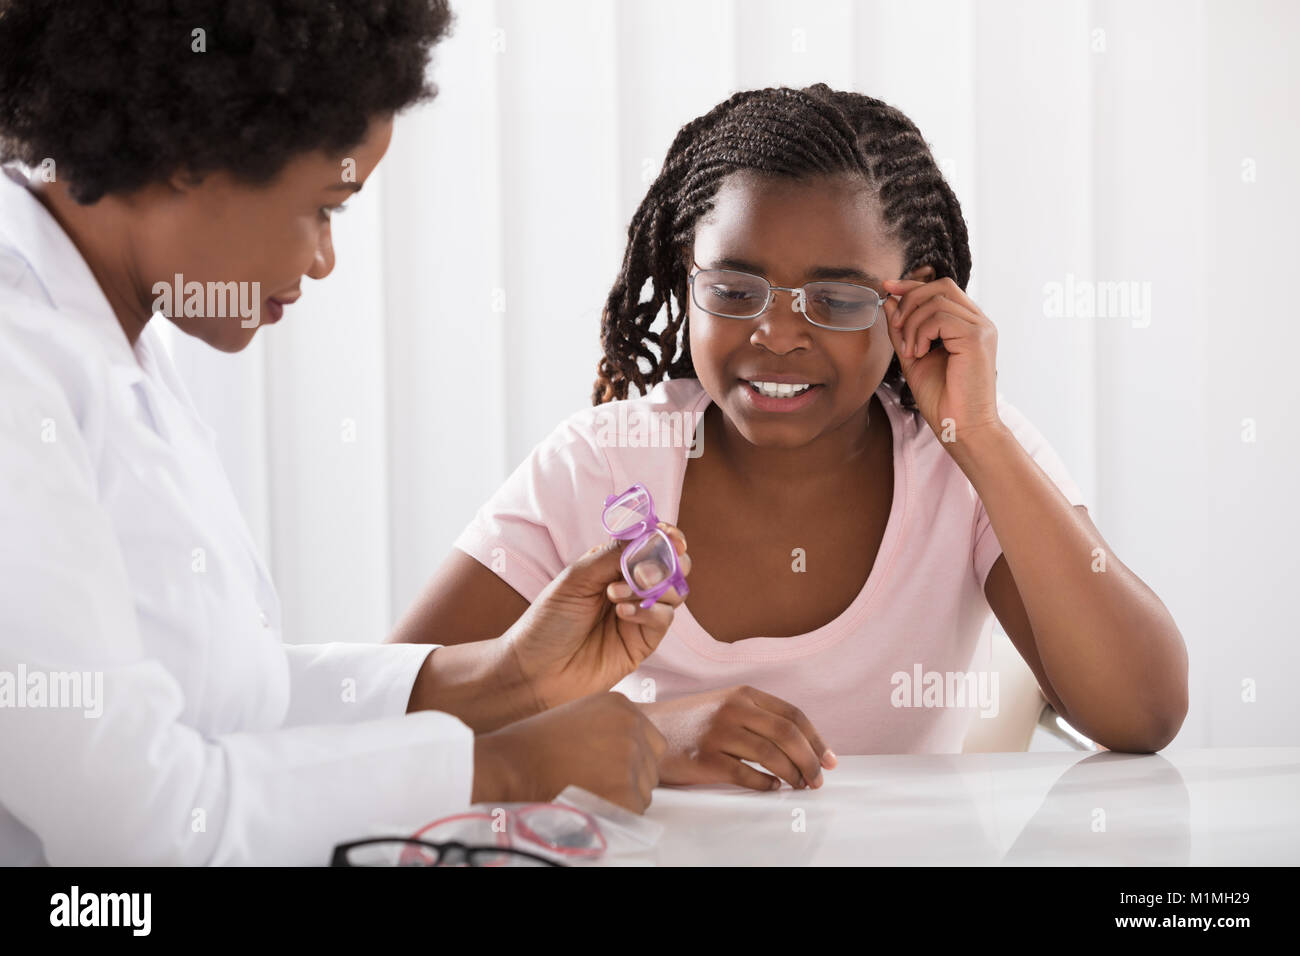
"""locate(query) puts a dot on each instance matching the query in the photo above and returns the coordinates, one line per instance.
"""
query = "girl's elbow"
(1148, 735)
(1164, 726)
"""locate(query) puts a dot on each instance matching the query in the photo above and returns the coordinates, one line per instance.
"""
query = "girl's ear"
(183, 180)
(921, 274)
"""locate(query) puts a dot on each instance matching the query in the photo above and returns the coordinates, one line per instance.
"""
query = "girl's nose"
(780, 328)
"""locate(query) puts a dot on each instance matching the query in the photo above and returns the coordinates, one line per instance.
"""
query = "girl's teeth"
(775, 390)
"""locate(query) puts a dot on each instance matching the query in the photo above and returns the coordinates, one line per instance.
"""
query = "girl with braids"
(863, 501)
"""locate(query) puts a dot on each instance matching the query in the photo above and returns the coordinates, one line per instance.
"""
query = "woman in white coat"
(149, 712)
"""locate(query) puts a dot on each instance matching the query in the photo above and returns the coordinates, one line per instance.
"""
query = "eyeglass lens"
(652, 562)
(742, 296)
(628, 512)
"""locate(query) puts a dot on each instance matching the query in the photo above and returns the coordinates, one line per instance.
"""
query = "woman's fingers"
(671, 598)
(619, 593)
(656, 617)
(684, 562)
(675, 533)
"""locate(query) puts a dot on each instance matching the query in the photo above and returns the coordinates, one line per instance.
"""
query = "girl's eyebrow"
(845, 273)
(822, 273)
(739, 265)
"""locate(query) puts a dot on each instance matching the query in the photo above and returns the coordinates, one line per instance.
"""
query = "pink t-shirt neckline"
(752, 649)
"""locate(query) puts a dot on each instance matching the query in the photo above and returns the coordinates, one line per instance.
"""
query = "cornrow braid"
(780, 132)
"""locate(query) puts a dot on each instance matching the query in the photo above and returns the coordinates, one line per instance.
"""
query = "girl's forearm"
(1109, 647)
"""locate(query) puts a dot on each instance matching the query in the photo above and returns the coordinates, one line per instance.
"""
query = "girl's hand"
(587, 630)
(954, 384)
(710, 734)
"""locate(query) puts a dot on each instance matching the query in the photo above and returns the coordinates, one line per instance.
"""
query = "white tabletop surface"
(1236, 806)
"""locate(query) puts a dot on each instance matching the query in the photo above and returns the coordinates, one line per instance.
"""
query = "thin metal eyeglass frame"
(800, 303)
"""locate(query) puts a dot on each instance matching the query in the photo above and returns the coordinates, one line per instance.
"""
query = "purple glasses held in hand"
(649, 561)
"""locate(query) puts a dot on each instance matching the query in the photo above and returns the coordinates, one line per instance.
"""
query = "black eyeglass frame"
(340, 855)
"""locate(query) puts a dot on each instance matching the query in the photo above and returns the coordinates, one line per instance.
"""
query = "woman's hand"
(710, 734)
(955, 385)
(587, 630)
(603, 743)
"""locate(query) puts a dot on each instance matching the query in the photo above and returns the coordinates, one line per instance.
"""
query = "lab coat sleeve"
(348, 683)
(121, 779)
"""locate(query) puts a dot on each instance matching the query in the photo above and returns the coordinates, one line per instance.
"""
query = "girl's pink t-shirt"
(899, 671)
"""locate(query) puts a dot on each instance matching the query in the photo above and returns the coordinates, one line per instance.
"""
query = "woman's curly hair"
(127, 93)
(781, 132)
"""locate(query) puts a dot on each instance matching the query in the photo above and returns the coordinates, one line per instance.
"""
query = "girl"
(859, 500)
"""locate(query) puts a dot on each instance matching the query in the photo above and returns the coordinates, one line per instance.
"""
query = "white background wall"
(1150, 142)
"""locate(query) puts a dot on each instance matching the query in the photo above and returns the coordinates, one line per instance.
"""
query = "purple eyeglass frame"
(637, 535)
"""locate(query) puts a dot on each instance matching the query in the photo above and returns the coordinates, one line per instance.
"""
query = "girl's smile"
(780, 393)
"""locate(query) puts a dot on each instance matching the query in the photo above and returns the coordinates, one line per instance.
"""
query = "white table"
(1236, 806)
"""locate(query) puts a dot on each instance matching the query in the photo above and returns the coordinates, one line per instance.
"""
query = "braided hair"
(781, 132)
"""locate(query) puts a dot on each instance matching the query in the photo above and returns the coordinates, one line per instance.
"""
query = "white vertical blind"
(1246, 203)
(448, 301)
(1151, 390)
(1089, 142)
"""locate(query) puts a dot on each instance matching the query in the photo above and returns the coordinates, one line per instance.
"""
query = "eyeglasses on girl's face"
(841, 306)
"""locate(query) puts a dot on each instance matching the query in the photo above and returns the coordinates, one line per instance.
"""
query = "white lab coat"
(123, 554)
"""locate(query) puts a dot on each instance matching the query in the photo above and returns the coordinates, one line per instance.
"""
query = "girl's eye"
(734, 295)
(839, 305)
